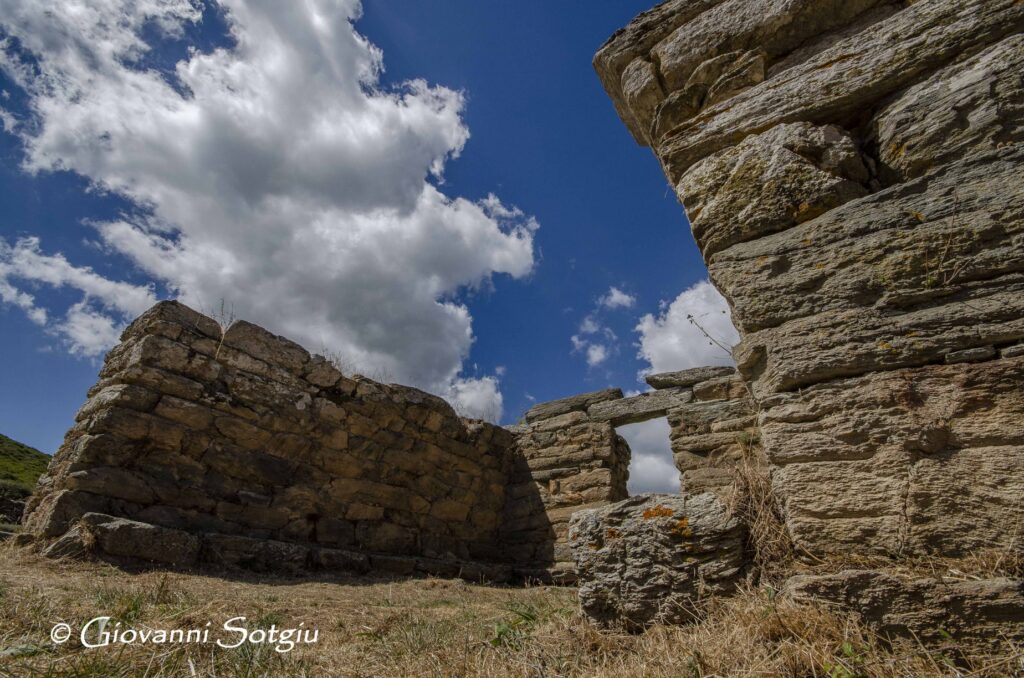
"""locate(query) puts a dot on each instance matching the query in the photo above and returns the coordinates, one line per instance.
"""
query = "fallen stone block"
(653, 558)
(123, 538)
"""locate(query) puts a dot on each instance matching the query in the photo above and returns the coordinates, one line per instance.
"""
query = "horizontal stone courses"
(135, 541)
(876, 64)
(889, 252)
(253, 456)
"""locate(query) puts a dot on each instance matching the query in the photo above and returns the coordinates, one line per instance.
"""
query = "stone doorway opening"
(651, 467)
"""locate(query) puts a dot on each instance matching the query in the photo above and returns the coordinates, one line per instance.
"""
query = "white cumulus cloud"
(90, 325)
(651, 468)
(694, 330)
(596, 354)
(616, 298)
(277, 174)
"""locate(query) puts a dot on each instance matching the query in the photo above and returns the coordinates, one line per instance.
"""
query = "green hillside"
(20, 465)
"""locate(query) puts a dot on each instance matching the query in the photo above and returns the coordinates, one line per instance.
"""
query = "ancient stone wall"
(270, 457)
(572, 458)
(239, 448)
(852, 174)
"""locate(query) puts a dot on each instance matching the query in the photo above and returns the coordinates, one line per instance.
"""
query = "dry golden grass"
(426, 627)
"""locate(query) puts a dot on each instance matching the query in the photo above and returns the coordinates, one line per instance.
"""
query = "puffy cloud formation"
(596, 341)
(596, 354)
(90, 325)
(276, 173)
(674, 340)
(651, 468)
(616, 298)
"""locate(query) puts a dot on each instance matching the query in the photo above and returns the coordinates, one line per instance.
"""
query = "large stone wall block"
(577, 403)
(639, 408)
(687, 377)
(927, 610)
(852, 172)
(970, 107)
(838, 83)
(771, 182)
(651, 558)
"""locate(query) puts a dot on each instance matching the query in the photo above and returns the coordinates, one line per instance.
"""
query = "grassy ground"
(20, 468)
(20, 465)
(425, 627)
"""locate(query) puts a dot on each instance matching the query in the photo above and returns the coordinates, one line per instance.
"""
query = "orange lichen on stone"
(682, 528)
(658, 512)
(612, 533)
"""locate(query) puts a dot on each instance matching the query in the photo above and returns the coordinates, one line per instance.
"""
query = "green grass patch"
(20, 466)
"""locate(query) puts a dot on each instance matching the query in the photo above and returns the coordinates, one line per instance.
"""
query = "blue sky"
(549, 205)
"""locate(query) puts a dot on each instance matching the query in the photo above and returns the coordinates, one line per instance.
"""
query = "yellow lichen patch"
(820, 265)
(885, 345)
(658, 512)
(897, 150)
(806, 211)
(682, 528)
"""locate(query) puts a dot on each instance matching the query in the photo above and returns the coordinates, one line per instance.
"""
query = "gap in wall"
(651, 468)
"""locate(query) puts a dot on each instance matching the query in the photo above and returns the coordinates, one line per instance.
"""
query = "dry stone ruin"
(238, 448)
(854, 176)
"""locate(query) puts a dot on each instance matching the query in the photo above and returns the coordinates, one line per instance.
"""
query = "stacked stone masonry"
(852, 172)
(572, 459)
(239, 448)
(271, 458)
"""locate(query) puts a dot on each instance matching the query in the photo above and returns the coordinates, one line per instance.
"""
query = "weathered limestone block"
(837, 83)
(926, 610)
(970, 107)
(639, 408)
(770, 182)
(721, 388)
(119, 538)
(632, 44)
(904, 462)
(901, 277)
(576, 403)
(687, 377)
(651, 558)
(260, 555)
